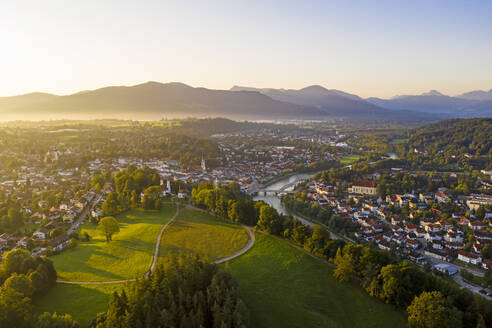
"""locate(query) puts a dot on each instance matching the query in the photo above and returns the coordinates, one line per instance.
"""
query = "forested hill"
(153, 100)
(457, 136)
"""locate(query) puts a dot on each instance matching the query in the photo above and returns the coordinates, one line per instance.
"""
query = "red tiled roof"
(364, 183)
(469, 255)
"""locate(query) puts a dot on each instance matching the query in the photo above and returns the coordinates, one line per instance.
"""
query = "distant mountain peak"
(160, 84)
(314, 88)
(478, 95)
(432, 93)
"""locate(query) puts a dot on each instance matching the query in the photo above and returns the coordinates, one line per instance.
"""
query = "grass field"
(284, 287)
(128, 255)
(199, 232)
(82, 302)
(349, 159)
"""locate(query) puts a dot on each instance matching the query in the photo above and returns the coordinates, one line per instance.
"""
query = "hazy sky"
(371, 48)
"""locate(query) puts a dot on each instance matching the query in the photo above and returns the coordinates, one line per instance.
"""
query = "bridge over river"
(275, 189)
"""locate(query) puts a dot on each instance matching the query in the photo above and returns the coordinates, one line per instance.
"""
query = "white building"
(469, 257)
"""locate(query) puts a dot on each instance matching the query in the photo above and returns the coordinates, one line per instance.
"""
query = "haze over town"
(373, 49)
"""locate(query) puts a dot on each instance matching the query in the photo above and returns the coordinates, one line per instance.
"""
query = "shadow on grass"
(81, 302)
(93, 258)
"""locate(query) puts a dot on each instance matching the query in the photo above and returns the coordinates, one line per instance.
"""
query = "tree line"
(410, 288)
(184, 291)
(130, 184)
(299, 203)
(24, 278)
(227, 202)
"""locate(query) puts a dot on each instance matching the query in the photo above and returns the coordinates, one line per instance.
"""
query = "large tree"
(108, 226)
(152, 198)
(344, 268)
(111, 205)
(429, 310)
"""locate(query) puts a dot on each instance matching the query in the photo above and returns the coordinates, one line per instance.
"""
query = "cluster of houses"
(242, 164)
(443, 239)
(62, 219)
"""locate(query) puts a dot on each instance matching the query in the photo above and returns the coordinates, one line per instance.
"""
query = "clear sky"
(371, 48)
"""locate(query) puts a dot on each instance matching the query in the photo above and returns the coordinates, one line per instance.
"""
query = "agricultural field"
(128, 255)
(82, 302)
(284, 287)
(202, 233)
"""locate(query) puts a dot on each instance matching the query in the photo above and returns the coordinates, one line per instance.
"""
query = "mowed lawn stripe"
(199, 232)
(284, 287)
(128, 255)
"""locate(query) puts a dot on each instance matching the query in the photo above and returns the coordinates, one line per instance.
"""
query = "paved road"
(459, 280)
(83, 215)
(311, 224)
(247, 247)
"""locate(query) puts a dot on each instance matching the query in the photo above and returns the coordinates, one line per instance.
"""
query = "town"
(381, 199)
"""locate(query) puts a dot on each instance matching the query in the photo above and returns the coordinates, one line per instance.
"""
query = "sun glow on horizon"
(370, 49)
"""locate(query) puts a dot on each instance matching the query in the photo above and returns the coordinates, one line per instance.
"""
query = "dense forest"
(451, 145)
(455, 136)
(184, 292)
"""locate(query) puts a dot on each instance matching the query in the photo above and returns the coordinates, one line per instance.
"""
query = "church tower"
(204, 167)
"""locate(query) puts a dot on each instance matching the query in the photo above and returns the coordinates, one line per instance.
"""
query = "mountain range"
(470, 104)
(153, 100)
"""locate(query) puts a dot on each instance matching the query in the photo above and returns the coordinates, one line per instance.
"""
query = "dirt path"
(249, 244)
(151, 269)
(158, 243)
(243, 250)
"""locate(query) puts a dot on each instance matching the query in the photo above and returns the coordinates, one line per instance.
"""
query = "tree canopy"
(185, 292)
(108, 226)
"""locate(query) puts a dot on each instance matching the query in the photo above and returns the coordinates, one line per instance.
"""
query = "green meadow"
(349, 159)
(284, 287)
(199, 232)
(82, 302)
(128, 255)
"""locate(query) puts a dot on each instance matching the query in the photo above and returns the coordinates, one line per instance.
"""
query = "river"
(275, 201)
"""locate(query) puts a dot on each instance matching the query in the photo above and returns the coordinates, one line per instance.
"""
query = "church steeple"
(204, 167)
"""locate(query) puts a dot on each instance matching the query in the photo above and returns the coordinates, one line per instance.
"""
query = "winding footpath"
(247, 247)
(243, 250)
(158, 242)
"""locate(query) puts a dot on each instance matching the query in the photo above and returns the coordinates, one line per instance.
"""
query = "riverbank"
(279, 184)
(304, 218)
